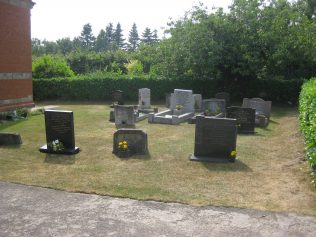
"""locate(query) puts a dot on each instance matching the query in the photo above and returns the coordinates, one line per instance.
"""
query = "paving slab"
(34, 211)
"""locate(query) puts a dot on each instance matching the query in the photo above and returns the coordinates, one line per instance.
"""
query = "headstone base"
(211, 159)
(7, 138)
(44, 149)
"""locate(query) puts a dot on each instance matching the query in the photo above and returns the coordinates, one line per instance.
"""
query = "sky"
(56, 19)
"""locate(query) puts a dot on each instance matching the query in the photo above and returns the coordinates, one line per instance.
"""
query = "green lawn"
(270, 173)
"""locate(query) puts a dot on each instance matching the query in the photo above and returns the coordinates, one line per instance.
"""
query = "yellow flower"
(125, 142)
(120, 143)
(233, 153)
(125, 146)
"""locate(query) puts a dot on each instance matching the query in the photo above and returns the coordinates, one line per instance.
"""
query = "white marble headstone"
(184, 98)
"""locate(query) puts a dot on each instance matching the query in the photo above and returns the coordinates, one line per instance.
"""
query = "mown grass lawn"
(270, 173)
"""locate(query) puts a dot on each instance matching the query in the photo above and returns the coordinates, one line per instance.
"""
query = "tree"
(48, 66)
(86, 38)
(65, 45)
(37, 47)
(109, 36)
(101, 42)
(118, 37)
(133, 39)
(147, 36)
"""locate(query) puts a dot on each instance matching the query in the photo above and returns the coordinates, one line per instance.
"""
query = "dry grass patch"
(270, 173)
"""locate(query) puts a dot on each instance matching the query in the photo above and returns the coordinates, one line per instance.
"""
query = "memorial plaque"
(136, 139)
(59, 125)
(215, 139)
(245, 118)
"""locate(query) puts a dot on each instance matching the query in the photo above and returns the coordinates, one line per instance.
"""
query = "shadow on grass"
(10, 147)
(228, 166)
(256, 134)
(60, 159)
(274, 122)
(136, 157)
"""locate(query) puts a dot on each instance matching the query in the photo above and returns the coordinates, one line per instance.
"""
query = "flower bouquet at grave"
(233, 155)
(56, 146)
(122, 149)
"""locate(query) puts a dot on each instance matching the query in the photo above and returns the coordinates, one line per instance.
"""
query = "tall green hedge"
(99, 87)
(307, 109)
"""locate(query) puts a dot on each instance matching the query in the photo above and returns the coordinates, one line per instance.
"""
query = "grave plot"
(60, 136)
(263, 110)
(211, 108)
(215, 140)
(181, 109)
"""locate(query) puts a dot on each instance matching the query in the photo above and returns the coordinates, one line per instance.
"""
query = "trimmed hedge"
(98, 87)
(307, 109)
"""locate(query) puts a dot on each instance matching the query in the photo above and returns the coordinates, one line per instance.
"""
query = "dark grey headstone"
(117, 97)
(245, 118)
(8, 138)
(136, 139)
(59, 125)
(215, 139)
(225, 96)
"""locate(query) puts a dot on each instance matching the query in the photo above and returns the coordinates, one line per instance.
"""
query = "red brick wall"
(15, 53)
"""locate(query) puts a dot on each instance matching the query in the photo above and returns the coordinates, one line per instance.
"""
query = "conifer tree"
(118, 37)
(86, 38)
(133, 39)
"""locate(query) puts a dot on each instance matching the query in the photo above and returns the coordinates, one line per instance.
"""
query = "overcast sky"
(56, 19)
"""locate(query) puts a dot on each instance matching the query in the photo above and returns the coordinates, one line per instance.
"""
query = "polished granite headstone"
(215, 140)
(59, 125)
(245, 118)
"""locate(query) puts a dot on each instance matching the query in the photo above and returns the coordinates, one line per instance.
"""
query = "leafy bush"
(48, 66)
(99, 85)
(307, 109)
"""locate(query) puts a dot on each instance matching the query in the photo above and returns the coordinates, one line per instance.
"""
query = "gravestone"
(9, 138)
(197, 102)
(136, 139)
(59, 125)
(225, 96)
(124, 115)
(261, 106)
(215, 139)
(144, 98)
(184, 98)
(212, 107)
(245, 118)
(117, 97)
(168, 99)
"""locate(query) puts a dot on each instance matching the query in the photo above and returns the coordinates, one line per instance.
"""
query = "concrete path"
(32, 211)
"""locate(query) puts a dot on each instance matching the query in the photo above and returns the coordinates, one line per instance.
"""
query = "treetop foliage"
(255, 39)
